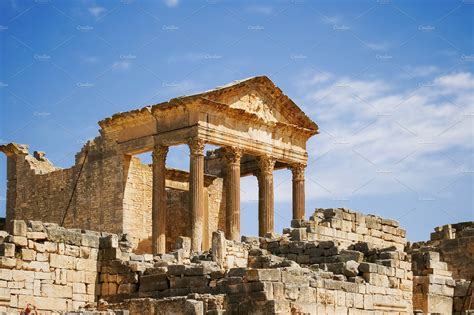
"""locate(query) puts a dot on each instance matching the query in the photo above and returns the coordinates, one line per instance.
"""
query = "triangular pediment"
(260, 97)
(258, 105)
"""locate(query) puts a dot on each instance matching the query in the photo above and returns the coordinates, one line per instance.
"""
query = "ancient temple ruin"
(112, 235)
(256, 126)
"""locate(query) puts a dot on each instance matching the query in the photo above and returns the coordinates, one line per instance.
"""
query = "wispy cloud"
(419, 71)
(171, 3)
(376, 139)
(96, 11)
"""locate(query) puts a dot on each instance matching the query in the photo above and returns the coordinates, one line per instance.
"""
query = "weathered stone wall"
(349, 227)
(113, 194)
(455, 243)
(37, 190)
(444, 269)
(433, 284)
(50, 267)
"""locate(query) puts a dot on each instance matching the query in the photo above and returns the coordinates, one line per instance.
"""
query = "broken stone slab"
(351, 268)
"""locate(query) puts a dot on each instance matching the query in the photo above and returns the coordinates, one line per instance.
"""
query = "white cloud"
(171, 3)
(376, 139)
(420, 71)
(96, 11)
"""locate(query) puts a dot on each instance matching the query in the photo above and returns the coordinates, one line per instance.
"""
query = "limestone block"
(36, 226)
(42, 266)
(36, 236)
(346, 255)
(368, 267)
(43, 303)
(299, 234)
(109, 241)
(56, 291)
(71, 250)
(19, 228)
(7, 262)
(28, 254)
(62, 261)
(263, 275)
(91, 240)
(20, 241)
(6, 274)
(42, 275)
(7, 249)
(155, 282)
(351, 268)
(79, 288)
(187, 282)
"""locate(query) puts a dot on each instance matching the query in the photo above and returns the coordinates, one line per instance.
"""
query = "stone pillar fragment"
(265, 195)
(233, 156)
(196, 191)
(159, 200)
(298, 191)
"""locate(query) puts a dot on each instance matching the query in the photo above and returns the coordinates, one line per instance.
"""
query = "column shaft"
(159, 200)
(265, 195)
(298, 191)
(196, 191)
(233, 156)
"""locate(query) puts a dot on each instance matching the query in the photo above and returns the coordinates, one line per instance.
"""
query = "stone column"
(265, 194)
(158, 211)
(196, 191)
(298, 191)
(233, 155)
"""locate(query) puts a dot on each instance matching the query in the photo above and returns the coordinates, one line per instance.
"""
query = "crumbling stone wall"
(444, 269)
(349, 227)
(50, 267)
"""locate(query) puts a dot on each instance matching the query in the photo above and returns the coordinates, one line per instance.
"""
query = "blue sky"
(390, 83)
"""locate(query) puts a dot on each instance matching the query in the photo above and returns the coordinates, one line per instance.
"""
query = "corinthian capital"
(233, 154)
(266, 164)
(159, 153)
(298, 171)
(196, 146)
